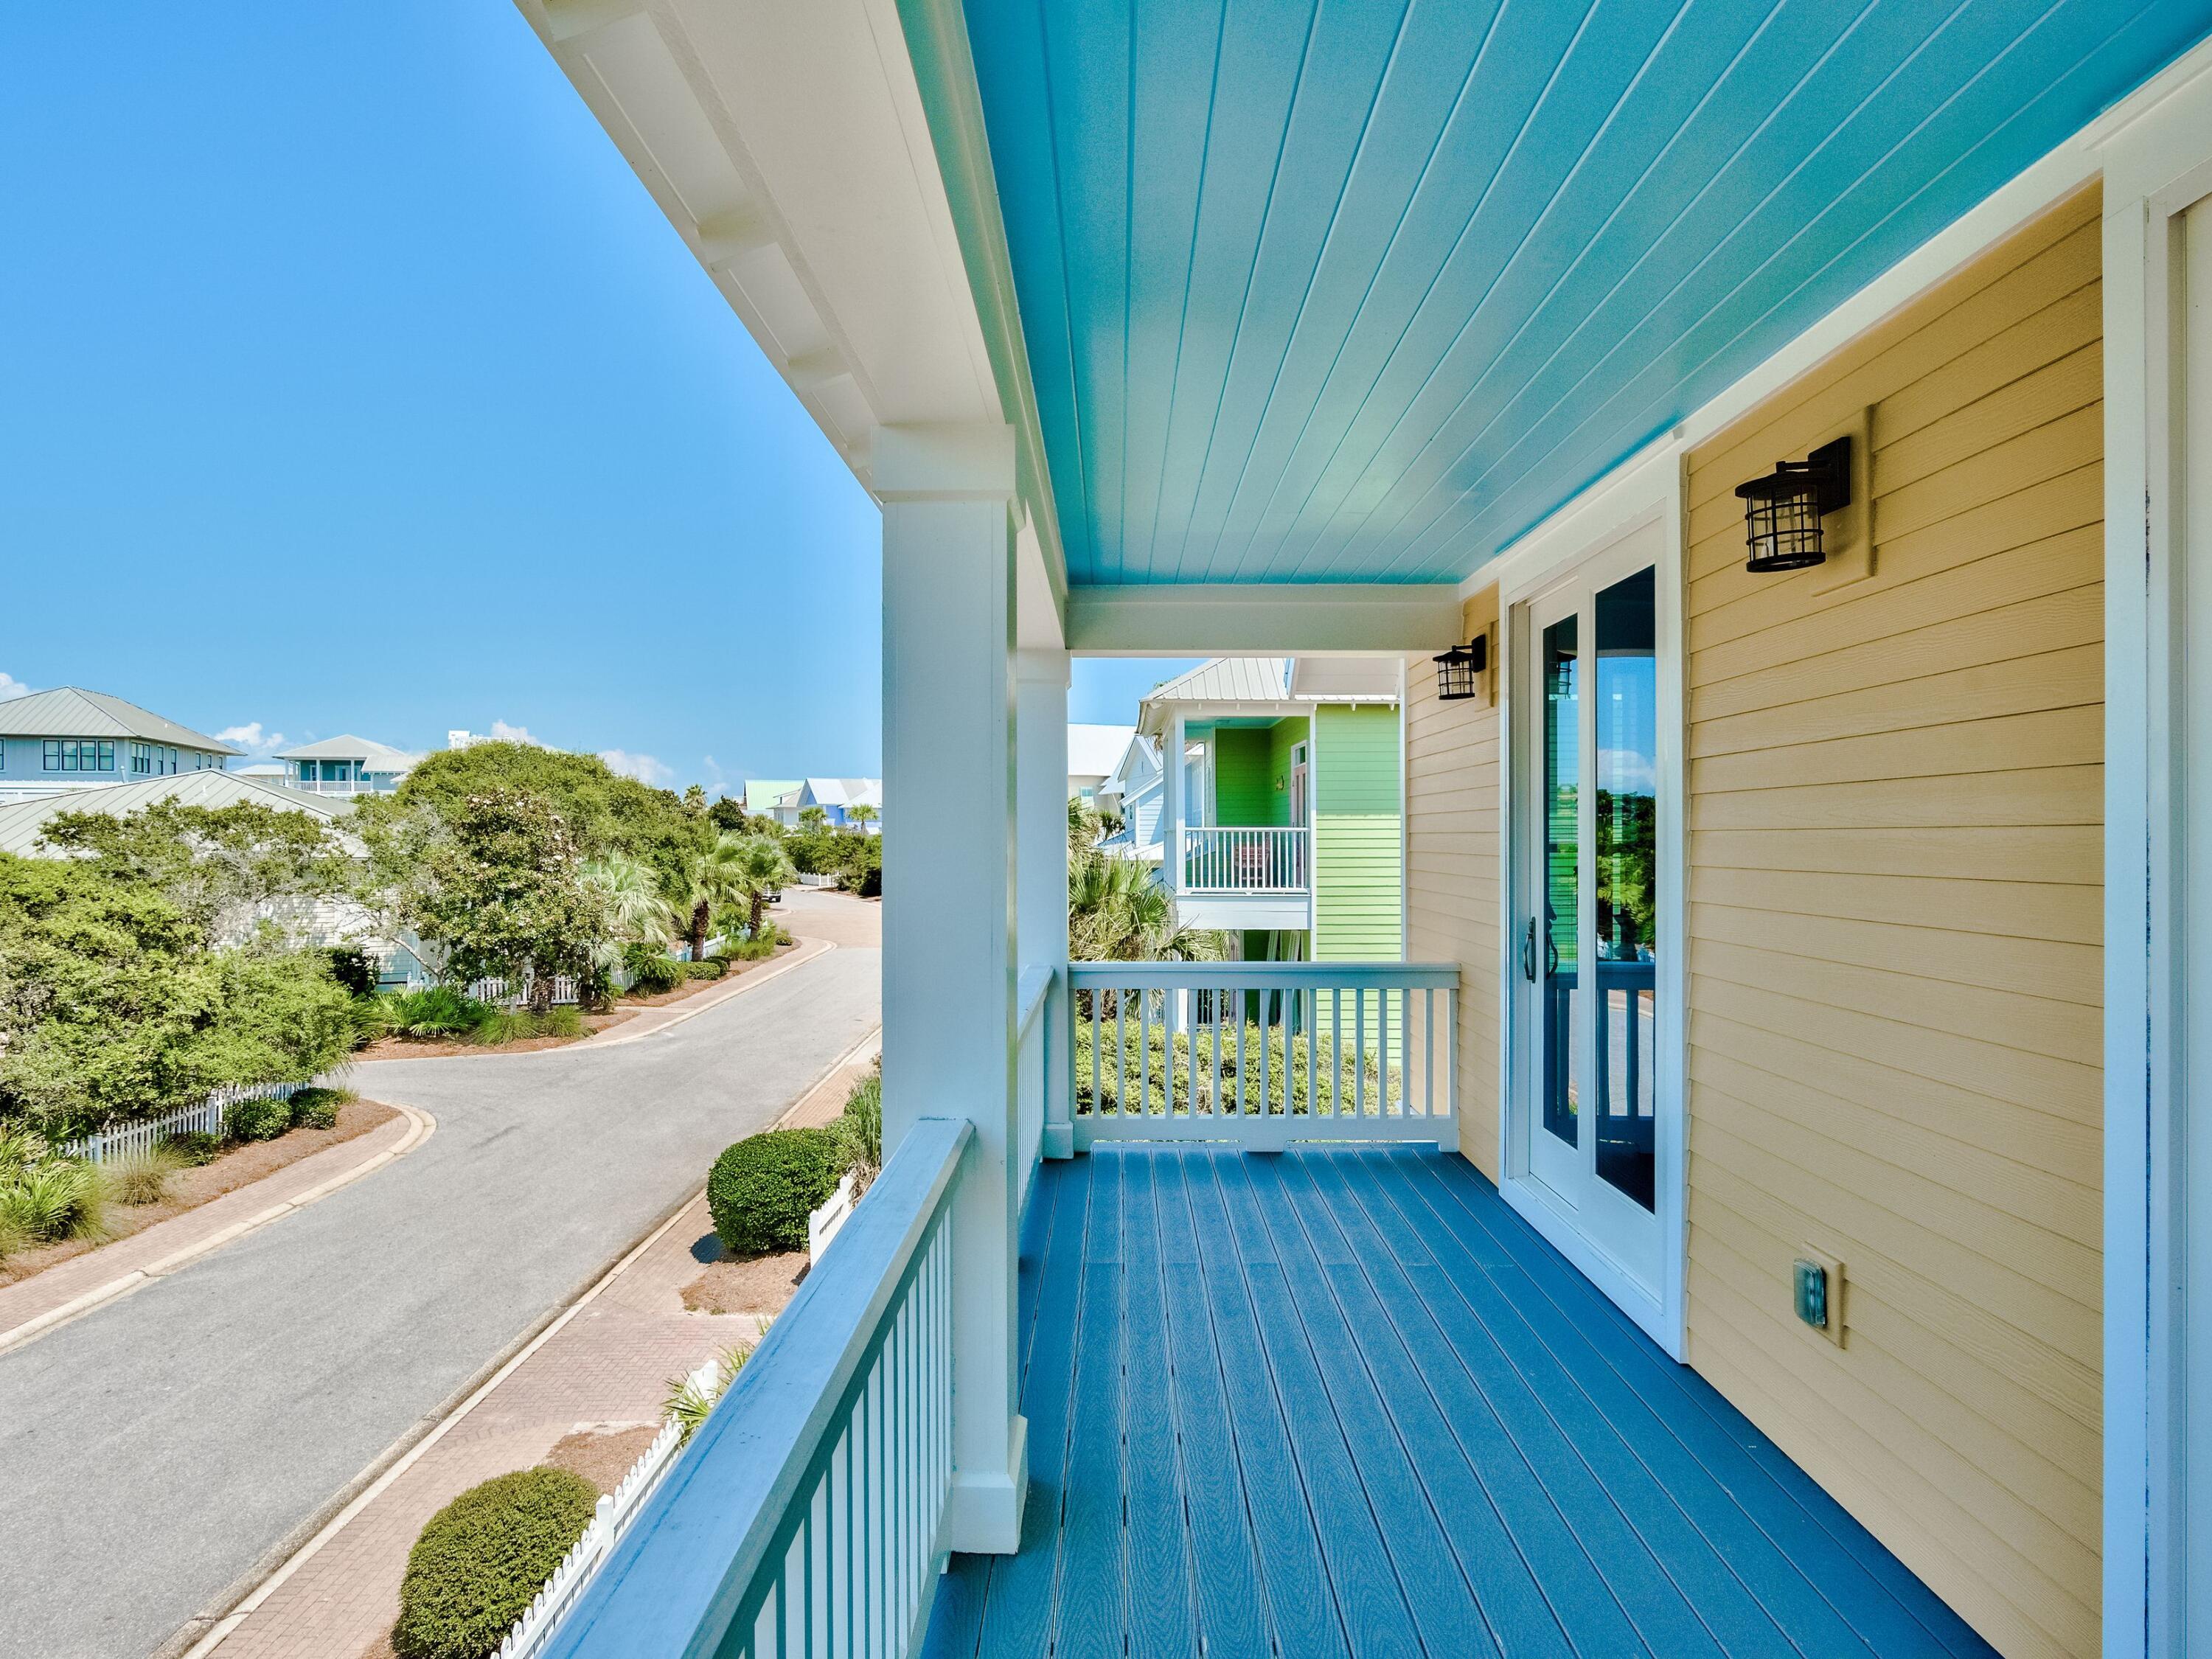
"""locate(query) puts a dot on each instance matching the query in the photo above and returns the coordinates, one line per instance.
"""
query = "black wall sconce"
(1460, 670)
(1782, 512)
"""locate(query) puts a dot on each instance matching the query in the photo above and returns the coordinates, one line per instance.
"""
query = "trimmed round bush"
(318, 1108)
(761, 1189)
(257, 1120)
(705, 967)
(482, 1557)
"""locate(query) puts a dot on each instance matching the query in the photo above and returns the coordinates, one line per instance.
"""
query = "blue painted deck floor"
(1347, 1402)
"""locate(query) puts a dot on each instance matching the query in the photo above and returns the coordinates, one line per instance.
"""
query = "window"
(142, 759)
(79, 755)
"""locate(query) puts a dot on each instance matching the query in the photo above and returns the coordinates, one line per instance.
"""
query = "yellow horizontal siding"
(1453, 846)
(1895, 824)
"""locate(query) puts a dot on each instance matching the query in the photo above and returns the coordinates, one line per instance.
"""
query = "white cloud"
(11, 688)
(718, 782)
(251, 738)
(502, 733)
(644, 767)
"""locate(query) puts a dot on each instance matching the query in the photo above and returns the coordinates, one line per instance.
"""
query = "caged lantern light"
(1782, 512)
(1460, 670)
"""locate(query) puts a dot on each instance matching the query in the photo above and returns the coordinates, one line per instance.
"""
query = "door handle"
(1528, 952)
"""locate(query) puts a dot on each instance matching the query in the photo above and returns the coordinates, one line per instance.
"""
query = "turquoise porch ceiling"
(1359, 290)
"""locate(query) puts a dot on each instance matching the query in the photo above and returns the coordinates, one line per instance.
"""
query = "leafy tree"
(731, 814)
(227, 868)
(499, 882)
(604, 811)
(114, 1007)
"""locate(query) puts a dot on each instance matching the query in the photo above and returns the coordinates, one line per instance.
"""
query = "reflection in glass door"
(1627, 847)
(1587, 831)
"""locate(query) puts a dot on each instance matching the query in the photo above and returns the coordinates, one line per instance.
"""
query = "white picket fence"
(497, 991)
(818, 878)
(207, 1118)
(609, 1520)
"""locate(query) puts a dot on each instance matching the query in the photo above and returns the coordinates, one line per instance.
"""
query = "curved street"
(159, 1450)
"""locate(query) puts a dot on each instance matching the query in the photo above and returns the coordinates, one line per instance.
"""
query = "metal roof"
(69, 711)
(1228, 679)
(22, 822)
(1095, 751)
(379, 757)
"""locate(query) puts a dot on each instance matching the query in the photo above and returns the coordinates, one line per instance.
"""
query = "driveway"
(157, 1452)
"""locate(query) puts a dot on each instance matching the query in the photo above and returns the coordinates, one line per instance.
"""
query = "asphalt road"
(154, 1452)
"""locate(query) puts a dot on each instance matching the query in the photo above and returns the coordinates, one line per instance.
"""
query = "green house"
(1284, 825)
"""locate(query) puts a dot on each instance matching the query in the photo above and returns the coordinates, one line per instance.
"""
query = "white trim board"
(1277, 619)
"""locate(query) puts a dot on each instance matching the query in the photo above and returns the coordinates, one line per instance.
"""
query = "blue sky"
(354, 383)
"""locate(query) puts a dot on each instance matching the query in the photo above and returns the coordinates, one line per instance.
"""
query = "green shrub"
(651, 972)
(759, 948)
(139, 1177)
(51, 1199)
(706, 968)
(689, 1404)
(483, 1558)
(257, 1120)
(372, 1019)
(435, 1010)
(353, 968)
(761, 1188)
(318, 1108)
(194, 1147)
(515, 1024)
(862, 1124)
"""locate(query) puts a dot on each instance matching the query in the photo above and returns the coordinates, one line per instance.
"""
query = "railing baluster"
(1359, 1055)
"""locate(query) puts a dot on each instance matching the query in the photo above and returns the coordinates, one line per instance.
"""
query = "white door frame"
(2158, 828)
(1642, 504)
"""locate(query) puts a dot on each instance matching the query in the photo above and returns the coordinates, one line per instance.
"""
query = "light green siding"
(1358, 902)
(1242, 791)
(1281, 737)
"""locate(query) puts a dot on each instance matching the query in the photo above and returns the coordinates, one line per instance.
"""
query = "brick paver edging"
(372, 1151)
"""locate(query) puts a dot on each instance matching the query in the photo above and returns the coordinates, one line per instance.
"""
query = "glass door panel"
(1627, 847)
(1557, 934)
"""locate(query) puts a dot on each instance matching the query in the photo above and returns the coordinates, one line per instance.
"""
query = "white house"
(836, 796)
(69, 739)
(347, 765)
(1094, 755)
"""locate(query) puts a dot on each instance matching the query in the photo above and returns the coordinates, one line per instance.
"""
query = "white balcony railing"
(804, 1517)
(1247, 859)
(1264, 1053)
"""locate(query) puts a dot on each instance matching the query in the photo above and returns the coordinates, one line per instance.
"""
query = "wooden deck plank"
(1377, 1623)
(1163, 1615)
(1090, 1600)
(1349, 1403)
(1231, 1582)
(1017, 1618)
(1504, 1585)
(1437, 1592)
(1663, 1616)
(1792, 1606)
(1780, 1496)
(1299, 1593)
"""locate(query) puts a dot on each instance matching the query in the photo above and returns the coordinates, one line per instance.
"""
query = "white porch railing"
(1264, 1053)
(1241, 859)
(804, 1518)
(1033, 1062)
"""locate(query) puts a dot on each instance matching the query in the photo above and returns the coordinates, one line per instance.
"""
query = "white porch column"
(949, 965)
(1174, 811)
(1041, 885)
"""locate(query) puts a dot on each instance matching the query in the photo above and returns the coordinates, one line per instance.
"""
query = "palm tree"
(712, 876)
(760, 868)
(1117, 911)
(638, 913)
(862, 817)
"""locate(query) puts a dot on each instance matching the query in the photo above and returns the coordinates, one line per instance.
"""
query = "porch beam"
(949, 964)
(1215, 619)
(1041, 868)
